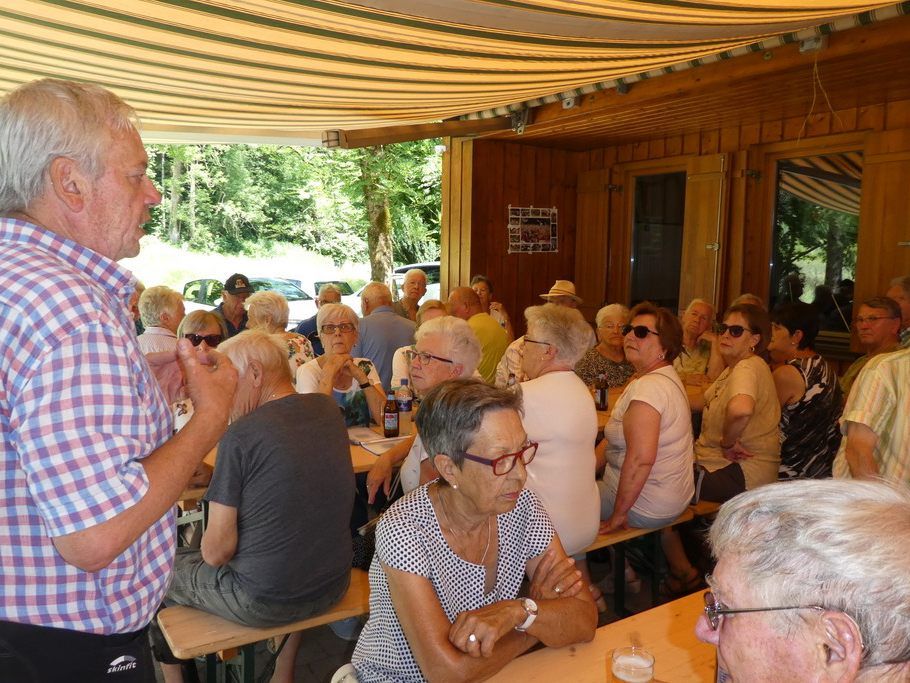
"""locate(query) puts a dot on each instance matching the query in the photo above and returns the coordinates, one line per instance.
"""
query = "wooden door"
(707, 180)
(883, 242)
(592, 240)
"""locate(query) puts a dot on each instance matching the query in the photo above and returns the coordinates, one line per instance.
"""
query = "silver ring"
(558, 589)
(472, 638)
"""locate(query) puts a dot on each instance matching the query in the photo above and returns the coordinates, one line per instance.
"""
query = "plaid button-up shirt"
(79, 409)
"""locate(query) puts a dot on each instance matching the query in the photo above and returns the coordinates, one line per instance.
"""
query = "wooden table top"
(667, 631)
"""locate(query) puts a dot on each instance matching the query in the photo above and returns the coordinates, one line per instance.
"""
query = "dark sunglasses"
(640, 331)
(734, 330)
(212, 340)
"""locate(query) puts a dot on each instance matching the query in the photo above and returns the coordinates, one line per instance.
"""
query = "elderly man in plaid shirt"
(89, 469)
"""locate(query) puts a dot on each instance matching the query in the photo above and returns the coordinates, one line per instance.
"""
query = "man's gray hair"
(565, 328)
(269, 350)
(462, 345)
(415, 271)
(328, 288)
(377, 292)
(335, 311)
(267, 309)
(50, 118)
(903, 282)
(609, 311)
(155, 301)
(837, 543)
(451, 413)
(884, 303)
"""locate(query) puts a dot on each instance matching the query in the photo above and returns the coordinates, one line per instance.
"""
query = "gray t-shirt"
(286, 467)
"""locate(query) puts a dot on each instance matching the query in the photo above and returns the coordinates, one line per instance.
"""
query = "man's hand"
(211, 379)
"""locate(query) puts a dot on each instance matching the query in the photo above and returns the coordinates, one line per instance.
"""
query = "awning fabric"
(831, 180)
(285, 70)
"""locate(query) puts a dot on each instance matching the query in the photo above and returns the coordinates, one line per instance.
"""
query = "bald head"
(374, 295)
(463, 303)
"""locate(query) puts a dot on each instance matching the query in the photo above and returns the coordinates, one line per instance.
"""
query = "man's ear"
(254, 370)
(843, 644)
(69, 181)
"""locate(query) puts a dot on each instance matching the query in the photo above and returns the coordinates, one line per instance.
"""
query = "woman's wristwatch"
(531, 608)
(364, 385)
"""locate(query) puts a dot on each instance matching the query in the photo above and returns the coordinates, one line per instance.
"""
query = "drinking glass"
(631, 665)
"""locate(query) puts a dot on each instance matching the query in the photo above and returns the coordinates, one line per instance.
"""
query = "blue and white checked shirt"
(79, 408)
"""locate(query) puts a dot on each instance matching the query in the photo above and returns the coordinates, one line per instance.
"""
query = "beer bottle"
(390, 416)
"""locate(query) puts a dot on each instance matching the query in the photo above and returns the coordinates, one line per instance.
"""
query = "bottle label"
(404, 404)
(390, 422)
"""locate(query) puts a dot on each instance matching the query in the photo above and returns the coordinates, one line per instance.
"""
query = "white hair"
(327, 288)
(840, 544)
(609, 311)
(415, 271)
(334, 310)
(50, 118)
(377, 292)
(269, 350)
(195, 320)
(462, 345)
(696, 301)
(156, 301)
(563, 327)
(268, 310)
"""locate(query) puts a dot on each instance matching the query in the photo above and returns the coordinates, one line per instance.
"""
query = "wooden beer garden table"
(667, 632)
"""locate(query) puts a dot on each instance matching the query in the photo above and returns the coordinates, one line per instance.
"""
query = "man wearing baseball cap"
(236, 289)
(562, 293)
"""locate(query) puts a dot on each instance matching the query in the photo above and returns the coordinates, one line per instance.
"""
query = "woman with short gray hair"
(560, 416)
(268, 311)
(452, 554)
(607, 357)
(161, 310)
(353, 382)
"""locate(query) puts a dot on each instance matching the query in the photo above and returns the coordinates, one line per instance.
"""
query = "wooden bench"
(191, 632)
(616, 539)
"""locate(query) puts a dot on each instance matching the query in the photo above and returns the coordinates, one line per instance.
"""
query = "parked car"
(205, 294)
(432, 271)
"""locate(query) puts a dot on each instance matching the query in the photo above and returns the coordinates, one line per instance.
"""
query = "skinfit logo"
(124, 663)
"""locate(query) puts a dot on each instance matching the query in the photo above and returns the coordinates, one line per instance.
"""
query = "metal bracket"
(520, 120)
(753, 173)
(614, 188)
(713, 246)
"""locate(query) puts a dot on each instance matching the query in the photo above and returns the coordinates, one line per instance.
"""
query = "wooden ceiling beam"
(367, 137)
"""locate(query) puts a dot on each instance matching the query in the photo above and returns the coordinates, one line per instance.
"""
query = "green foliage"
(244, 199)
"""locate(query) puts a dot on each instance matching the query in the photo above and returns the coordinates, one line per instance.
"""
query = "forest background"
(286, 207)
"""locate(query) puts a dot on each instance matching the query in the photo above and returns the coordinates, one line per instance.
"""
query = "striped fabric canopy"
(285, 70)
(831, 180)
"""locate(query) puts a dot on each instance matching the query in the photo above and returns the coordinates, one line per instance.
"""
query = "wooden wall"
(487, 175)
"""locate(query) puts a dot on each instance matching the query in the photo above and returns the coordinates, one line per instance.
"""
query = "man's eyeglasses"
(212, 340)
(734, 330)
(330, 328)
(506, 463)
(413, 354)
(872, 319)
(640, 331)
(714, 609)
(535, 341)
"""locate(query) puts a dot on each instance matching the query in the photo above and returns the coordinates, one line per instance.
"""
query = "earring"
(751, 349)
(455, 486)
(661, 356)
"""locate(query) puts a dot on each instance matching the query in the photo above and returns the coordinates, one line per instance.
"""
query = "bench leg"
(619, 580)
(214, 669)
(656, 553)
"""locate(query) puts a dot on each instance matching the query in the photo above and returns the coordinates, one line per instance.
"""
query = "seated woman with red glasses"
(451, 555)
(739, 446)
(353, 382)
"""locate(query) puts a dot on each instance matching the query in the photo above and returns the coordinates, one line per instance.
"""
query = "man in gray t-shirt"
(277, 544)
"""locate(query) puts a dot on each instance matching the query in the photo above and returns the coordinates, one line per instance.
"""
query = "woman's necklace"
(445, 514)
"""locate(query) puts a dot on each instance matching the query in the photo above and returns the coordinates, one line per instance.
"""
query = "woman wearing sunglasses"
(452, 554)
(739, 445)
(353, 382)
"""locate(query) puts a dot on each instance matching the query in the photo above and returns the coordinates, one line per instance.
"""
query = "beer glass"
(631, 665)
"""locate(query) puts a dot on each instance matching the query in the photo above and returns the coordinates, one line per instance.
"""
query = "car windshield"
(288, 290)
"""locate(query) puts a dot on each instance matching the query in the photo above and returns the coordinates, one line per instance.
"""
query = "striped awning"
(832, 180)
(286, 70)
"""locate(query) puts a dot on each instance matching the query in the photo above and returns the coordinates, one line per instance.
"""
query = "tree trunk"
(376, 201)
(834, 255)
(176, 179)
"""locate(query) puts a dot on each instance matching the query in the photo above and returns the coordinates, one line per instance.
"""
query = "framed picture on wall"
(532, 229)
